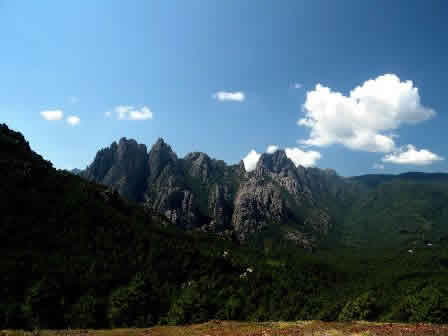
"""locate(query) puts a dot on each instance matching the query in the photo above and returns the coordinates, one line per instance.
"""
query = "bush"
(361, 308)
(429, 305)
(188, 307)
(129, 305)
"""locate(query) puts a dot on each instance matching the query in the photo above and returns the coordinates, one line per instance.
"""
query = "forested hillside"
(399, 211)
(74, 254)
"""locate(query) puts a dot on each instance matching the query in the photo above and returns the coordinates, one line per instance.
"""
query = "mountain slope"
(405, 209)
(76, 255)
(197, 192)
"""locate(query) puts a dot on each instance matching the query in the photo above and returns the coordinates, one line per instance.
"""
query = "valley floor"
(227, 328)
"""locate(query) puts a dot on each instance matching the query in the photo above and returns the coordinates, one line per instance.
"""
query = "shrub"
(361, 308)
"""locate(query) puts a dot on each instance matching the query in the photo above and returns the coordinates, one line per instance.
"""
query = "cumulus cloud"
(250, 160)
(296, 155)
(271, 149)
(229, 96)
(302, 157)
(52, 115)
(73, 120)
(365, 118)
(128, 112)
(378, 166)
(411, 155)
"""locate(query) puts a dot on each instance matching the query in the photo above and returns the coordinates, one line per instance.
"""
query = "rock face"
(122, 166)
(200, 193)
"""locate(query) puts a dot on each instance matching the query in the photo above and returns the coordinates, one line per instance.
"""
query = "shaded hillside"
(399, 210)
(373, 180)
(74, 254)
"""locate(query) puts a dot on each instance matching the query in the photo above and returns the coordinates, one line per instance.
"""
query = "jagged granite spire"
(160, 156)
(276, 162)
(122, 166)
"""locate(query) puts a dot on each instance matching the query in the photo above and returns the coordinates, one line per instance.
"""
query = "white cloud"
(229, 96)
(250, 160)
(378, 166)
(74, 99)
(411, 155)
(52, 115)
(271, 149)
(108, 114)
(127, 112)
(301, 157)
(364, 119)
(73, 120)
(297, 86)
(295, 154)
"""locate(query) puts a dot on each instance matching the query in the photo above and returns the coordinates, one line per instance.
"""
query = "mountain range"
(278, 201)
(75, 254)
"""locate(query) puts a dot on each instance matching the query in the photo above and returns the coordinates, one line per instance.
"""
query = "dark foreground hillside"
(76, 255)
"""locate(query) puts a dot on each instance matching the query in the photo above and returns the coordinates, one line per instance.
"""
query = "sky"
(357, 86)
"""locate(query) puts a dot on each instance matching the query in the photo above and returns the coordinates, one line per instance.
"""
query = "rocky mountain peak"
(128, 148)
(162, 150)
(121, 166)
(160, 143)
(199, 165)
(160, 156)
(276, 162)
(197, 157)
(127, 142)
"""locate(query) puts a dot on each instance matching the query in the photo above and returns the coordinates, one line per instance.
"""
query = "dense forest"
(75, 254)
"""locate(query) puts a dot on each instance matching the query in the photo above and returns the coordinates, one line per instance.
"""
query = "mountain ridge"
(307, 206)
(310, 207)
(202, 193)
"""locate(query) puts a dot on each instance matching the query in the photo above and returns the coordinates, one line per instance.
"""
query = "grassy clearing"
(229, 328)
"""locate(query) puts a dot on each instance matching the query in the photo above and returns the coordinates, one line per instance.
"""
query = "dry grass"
(228, 328)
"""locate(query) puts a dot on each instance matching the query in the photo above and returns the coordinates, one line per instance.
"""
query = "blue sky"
(219, 77)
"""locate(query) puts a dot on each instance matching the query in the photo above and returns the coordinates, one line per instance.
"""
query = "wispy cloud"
(378, 166)
(74, 99)
(73, 120)
(128, 112)
(411, 155)
(238, 96)
(296, 85)
(52, 115)
(364, 119)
